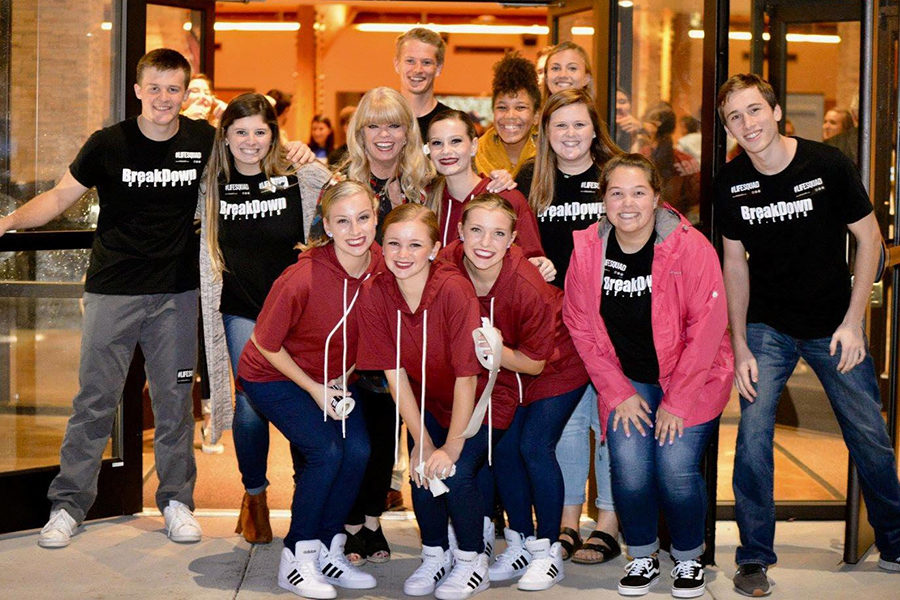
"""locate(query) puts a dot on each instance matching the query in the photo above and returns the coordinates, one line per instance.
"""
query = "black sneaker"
(751, 580)
(688, 579)
(888, 564)
(640, 575)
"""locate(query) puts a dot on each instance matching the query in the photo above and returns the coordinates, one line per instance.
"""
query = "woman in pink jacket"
(645, 305)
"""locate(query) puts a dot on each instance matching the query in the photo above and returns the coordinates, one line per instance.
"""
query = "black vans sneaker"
(688, 581)
(640, 575)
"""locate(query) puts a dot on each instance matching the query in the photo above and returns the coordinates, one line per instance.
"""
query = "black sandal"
(376, 544)
(569, 547)
(608, 550)
(356, 544)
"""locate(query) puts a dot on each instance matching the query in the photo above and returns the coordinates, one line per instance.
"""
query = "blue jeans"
(573, 454)
(250, 428)
(647, 477)
(327, 485)
(463, 503)
(525, 466)
(856, 403)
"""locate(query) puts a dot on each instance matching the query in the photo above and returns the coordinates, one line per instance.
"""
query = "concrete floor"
(130, 557)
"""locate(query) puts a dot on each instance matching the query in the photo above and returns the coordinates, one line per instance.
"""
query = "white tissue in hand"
(435, 484)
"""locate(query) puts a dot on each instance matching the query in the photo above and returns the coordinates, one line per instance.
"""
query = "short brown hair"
(164, 59)
(635, 160)
(426, 36)
(413, 212)
(743, 81)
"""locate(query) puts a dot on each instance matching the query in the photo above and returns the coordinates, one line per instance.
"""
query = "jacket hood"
(454, 254)
(439, 273)
(327, 257)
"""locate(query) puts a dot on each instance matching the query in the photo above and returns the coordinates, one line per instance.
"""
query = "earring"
(462, 239)
(509, 245)
(431, 258)
(329, 234)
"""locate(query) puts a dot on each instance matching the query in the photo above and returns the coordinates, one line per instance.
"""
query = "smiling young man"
(418, 60)
(141, 288)
(784, 207)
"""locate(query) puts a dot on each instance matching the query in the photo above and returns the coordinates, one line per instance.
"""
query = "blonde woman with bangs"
(384, 150)
(247, 245)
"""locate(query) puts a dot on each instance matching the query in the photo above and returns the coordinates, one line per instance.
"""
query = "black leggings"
(378, 412)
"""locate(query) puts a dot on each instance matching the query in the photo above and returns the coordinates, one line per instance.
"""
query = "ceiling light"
(809, 38)
(255, 26)
(461, 28)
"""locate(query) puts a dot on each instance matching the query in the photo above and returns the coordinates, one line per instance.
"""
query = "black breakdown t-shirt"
(260, 223)
(425, 119)
(576, 205)
(793, 225)
(145, 241)
(625, 308)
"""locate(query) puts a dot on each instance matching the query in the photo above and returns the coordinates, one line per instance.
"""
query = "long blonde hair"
(379, 106)
(221, 163)
(543, 185)
(332, 195)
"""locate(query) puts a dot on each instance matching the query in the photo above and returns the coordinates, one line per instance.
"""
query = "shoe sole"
(526, 587)
(423, 592)
(756, 593)
(692, 593)
(635, 591)
(324, 595)
(54, 543)
(888, 565)
(483, 586)
(185, 539)
(352, 585)
(499, 577)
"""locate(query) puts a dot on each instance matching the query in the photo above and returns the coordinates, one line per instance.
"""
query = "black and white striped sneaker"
(640, 575)
(513, 561)
(436, 564)
(299, 573)
(688, 579)
(546, 568)
(338, 571)
(468, 577)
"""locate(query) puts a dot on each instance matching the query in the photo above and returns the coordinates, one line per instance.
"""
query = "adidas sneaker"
(468, 577)
(298, 571)
(337, 569)
(514, 560)
(436, 564)
(546, 568)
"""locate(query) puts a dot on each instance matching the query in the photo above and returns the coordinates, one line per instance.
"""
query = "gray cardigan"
(312, 177)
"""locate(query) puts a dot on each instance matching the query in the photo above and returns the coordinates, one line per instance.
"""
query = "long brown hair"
(221, 163)
(543, 185)
(436, 189)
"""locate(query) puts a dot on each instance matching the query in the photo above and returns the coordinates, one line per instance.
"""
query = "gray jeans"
(165, 325)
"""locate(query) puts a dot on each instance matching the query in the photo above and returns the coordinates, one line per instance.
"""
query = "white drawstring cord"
(422, 394)
(397, 392)
(447, 220)
(344, 364)
(519, 380)
(343, 321)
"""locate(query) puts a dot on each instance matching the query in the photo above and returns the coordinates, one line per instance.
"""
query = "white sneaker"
(337, 569)
(490, 534)
(181, 525)
(514, 560)
(298, 571)
(436, 564)
(546, 568)
(58, 531)
(468, 577)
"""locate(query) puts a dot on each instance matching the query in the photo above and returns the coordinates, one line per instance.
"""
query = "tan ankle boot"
(253, 521)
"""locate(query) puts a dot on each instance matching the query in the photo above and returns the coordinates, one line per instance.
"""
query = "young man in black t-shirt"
(141, 288)
(418, 60)
(784, 207)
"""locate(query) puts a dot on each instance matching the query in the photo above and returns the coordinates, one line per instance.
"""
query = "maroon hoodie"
(304, 305)
(450, 352)
(529, 237)
(527, 311)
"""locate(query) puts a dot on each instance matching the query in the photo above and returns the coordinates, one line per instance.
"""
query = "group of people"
(501, 295)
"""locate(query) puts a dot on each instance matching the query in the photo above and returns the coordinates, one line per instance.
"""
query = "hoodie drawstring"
(491, 362)
(347, 404)
(397, 391)
(447, 220)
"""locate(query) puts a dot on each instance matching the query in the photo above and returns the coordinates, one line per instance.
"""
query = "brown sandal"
(571, 545)
(253, 521)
